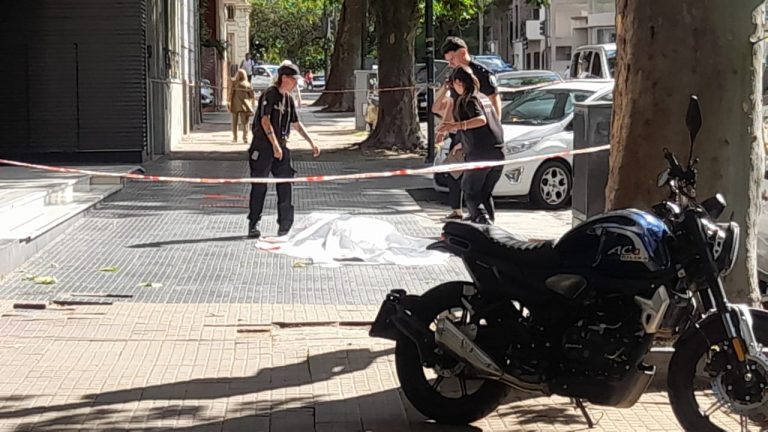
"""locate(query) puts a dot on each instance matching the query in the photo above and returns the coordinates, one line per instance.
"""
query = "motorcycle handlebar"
(672, 160)
(676, 170)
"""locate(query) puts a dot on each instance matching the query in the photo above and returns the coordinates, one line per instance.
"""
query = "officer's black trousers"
(262, 162)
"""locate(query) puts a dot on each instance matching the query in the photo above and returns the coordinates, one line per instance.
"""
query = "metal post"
(481, 29)
(430, 39)
(326, 36)
(364, 36)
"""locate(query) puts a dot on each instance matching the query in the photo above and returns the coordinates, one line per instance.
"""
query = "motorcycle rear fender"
(455, 247)
(712, 326)
(397, 319)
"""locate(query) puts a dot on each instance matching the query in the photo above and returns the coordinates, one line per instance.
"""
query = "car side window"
(573, 98)
(597, 66)
(573, 70)
(584, 64)
(608, 97)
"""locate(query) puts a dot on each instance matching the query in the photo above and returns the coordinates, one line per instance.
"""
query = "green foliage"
(455, 10)
(290, 29)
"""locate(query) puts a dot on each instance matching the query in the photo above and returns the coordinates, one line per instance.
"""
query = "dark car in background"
(494, 63)
(514, 85)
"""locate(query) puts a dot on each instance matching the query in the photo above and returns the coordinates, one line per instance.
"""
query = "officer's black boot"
(253, 230)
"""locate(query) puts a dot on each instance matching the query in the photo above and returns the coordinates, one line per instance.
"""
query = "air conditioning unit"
(533, 30)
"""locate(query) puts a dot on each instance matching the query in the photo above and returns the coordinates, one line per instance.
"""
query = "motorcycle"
(578, 316)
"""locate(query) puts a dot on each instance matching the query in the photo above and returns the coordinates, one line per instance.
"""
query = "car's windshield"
(523, 81)
(543, 106)
(611, 57)
(421, 72)
(492, 62)
(272, 69)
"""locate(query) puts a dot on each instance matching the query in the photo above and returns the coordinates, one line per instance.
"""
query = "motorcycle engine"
(604, 340)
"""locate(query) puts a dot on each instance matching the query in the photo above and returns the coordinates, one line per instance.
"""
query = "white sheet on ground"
(333, 239)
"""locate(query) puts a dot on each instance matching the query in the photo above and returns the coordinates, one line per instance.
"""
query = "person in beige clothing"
(241, 98)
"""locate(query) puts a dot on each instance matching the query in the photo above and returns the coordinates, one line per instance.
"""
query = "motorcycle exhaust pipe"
(449, 337)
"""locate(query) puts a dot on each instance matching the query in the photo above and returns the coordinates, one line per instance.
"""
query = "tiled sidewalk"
(231, 367)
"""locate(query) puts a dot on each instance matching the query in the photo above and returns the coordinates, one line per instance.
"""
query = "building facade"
(229, 26)
(544, 38)
(98, 81)
(578, 22)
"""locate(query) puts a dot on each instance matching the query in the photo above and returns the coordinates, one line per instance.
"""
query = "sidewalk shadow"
(187, 242)
(386, 410)
(267, 379)
(381, 411)
(505, 203)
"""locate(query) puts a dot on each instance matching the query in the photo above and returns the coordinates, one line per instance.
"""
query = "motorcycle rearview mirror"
(693, 122)
(663, 178)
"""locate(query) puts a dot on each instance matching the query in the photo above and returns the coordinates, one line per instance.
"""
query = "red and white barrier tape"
(312, 179)
(435, 86)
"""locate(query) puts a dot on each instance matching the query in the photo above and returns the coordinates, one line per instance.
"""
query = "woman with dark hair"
(480, 138)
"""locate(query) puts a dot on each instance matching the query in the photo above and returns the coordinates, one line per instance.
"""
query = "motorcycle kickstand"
(580, 405)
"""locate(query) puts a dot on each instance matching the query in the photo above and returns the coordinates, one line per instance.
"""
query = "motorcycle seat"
(494, 241)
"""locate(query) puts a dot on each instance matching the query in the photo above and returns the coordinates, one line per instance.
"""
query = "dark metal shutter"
(84, 76)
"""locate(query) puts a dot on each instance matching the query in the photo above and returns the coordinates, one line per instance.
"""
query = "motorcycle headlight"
(514, 147)
(725, 247)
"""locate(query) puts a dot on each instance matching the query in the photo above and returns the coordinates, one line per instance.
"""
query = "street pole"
(364, 36)
(481, 25)
(430, 39)
(327, 24)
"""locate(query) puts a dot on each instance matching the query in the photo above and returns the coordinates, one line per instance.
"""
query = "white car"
(265, 75)
(540, 124)
(318, 82)
(593, 61)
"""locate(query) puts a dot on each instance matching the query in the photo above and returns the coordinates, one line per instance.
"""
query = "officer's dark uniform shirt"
(282, 113)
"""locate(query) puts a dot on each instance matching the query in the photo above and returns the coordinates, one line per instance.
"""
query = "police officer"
(275, 116)
(456, 53)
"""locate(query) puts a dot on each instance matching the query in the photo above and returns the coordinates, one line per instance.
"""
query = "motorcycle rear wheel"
(427, 395)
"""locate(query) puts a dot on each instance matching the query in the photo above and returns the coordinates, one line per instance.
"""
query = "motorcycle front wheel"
(444, 393)
(696, 395)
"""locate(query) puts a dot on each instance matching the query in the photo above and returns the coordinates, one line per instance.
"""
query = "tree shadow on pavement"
(317, 368)
(381, 411)
(431, 195)
(190, 402)
(187, 241)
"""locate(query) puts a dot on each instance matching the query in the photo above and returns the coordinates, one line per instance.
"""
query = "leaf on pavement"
(150, 285)
(109, 269)
(44, 280)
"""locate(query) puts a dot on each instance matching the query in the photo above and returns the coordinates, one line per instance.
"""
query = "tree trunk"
(344, 60)
(398, 123)
(669, 50)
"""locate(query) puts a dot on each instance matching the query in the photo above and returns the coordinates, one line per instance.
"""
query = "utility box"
(591, 128)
